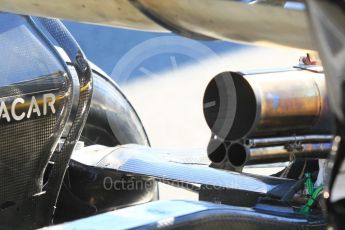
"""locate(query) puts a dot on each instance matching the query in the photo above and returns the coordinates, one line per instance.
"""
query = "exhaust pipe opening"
(237, 155)
(277, 103)
(230, 106)
(216, 151)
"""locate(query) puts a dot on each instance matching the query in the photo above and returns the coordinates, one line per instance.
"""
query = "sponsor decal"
(21, 108)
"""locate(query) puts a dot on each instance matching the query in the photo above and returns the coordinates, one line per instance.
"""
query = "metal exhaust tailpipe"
(276, 141)
(216, 151)
(277, 103)
(240, 155)
(268, 116)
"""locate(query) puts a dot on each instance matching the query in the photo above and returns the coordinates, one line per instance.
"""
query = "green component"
(312, 194)
(309, 184)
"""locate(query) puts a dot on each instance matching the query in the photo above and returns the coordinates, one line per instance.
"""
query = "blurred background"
(165, 75)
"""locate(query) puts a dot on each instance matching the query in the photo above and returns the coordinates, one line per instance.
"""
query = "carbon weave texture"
(30, 69)
(23, 145)
(27, 145)
(238, 221)
(62, 36)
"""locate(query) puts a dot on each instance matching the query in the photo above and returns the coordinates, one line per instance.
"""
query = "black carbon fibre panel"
(22, 148)
(35, 103)
(145, 161)
(62, 36)
(242, 221)
(111, 121)
(26, 145)
(180, 214)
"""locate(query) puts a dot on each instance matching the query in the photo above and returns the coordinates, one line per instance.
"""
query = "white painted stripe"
(209, 104)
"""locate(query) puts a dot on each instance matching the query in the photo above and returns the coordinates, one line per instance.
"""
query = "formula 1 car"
(71, 143)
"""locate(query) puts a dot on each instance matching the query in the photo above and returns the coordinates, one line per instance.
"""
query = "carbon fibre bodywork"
(56, 101)
(192, 215)
(29, 134)
(112, 121)
(30, 70)
(43, 100)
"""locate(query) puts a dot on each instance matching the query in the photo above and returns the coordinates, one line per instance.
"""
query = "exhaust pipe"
(240, 155)
(268, 150)
(240, 105)
(275, 141)
(267, 117)
(216, 151)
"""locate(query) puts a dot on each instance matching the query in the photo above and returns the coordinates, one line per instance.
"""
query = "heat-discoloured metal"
(268, 104)
(290, 101)
(275, 141)
(241, 155)
(283, 153)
